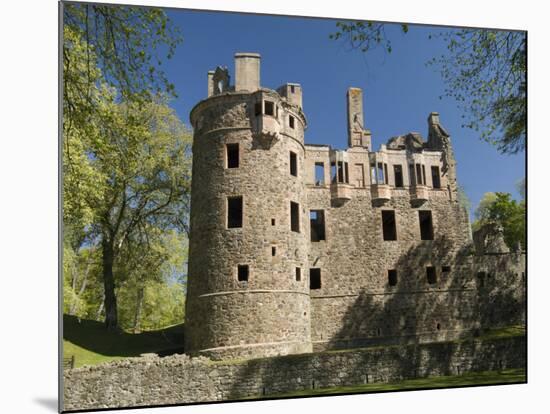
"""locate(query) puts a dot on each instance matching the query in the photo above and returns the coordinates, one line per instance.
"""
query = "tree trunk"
(111, 313)
(82, 287)
(139, 307)
(100, 310)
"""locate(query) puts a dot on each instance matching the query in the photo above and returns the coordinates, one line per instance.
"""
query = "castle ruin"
(297, 247)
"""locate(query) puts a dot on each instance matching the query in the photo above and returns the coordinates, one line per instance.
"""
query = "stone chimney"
(247, 72)
(358, 136)
(210, 83)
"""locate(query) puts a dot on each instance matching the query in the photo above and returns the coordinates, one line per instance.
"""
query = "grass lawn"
(507, 376)
(92, 344)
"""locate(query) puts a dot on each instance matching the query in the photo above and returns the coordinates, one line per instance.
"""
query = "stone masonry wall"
(356, 305)
(179, 379)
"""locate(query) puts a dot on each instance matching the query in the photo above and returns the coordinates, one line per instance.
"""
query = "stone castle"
(297, 247)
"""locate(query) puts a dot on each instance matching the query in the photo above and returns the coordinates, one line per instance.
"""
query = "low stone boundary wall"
(150, 380)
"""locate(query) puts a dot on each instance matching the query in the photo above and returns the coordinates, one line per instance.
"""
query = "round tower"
(248, 293)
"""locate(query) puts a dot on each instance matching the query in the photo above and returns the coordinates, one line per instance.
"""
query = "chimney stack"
(247, 72)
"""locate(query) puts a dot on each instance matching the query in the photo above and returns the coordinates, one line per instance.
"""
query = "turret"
(248, 292)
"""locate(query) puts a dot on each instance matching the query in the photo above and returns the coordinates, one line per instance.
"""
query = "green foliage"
(485, 71)
(126, 42)
(500, 208)
(365, 35)
(126, 167)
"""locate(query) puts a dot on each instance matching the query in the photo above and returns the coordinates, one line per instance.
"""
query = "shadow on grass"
(92, 336)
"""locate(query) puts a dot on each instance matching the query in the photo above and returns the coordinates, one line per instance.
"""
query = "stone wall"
(178, 379)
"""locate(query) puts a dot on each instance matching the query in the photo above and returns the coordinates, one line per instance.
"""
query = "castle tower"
(248, 293)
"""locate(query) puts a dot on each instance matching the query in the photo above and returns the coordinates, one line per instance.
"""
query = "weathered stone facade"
(178, 379)
(390, 246)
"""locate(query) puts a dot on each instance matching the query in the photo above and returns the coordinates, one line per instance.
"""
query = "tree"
(151, 265)
(124, 43)
(500, 208)
(126, 154)
(484, 71)
(145, 157)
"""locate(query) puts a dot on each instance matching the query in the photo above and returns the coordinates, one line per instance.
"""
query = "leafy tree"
(126, 154)
(149, 266)
(125, 43)
(144, 155)
(502, 209)
(482, 210)
(484, 71)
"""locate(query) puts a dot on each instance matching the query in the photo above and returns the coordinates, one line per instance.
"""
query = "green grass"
(92, 344)
(507, 376)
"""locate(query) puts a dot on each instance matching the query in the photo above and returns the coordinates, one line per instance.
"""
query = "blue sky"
(399, 89)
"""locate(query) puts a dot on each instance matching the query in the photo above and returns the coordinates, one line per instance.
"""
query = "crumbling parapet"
(489, 239)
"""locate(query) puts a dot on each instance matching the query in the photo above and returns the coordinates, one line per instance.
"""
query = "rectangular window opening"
(436, 181)
(445, 269)
(234, 212)
(346, 173)
(380, 174)
(273, 250)
(373, 174)
(257, 108)
(319, 173)
(412, 177)
(298, 274)
(317, 220)
(419, 174)
(398, 175)
(291, 88)
(269, 108)
(291, 121)
(388, 225)
(333, 172)
(293, 164)
(385, 173)
(423, 174)
(431, 275)
(272, 222)
(481, 278)
(295, 217)
(426, 225)
(242, 273)
(340, 172)
(392, 277)
(232, 151)
(315, 278)
(360, 175)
